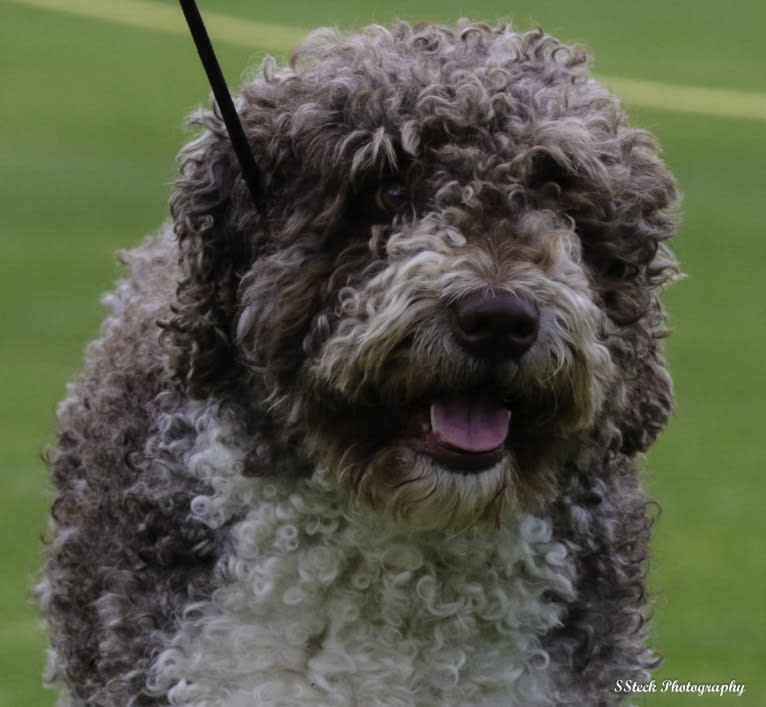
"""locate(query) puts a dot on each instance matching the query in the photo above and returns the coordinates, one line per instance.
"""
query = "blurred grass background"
(91, 120)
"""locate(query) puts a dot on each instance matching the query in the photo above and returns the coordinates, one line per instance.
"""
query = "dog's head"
(449, 286)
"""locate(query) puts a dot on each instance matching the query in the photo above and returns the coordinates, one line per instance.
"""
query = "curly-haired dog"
(372, 440)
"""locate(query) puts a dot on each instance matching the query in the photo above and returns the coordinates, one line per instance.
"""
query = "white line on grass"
(168, 18)
(688, 99)
(280, 39)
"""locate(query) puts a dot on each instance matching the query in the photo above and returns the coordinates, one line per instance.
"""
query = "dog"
(371, 438)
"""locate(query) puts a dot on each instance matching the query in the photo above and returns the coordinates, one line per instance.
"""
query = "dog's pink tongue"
(470, 424)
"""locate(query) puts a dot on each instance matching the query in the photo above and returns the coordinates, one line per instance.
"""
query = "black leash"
(223, 97)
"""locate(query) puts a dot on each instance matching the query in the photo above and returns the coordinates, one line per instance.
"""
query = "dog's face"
(449, 284)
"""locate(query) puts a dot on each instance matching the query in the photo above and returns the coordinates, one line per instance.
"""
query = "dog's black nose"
(495, 326)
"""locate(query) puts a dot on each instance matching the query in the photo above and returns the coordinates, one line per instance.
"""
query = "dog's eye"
(381, 203)
(391, 198)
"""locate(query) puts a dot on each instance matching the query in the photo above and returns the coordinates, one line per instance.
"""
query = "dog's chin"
(426, 494)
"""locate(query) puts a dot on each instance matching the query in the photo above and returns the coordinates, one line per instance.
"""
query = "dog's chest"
(323, 604)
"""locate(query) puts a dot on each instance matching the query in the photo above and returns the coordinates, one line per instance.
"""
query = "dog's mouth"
(464, 432)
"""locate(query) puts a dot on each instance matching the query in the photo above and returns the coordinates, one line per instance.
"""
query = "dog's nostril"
(524, 327)
(495, 326)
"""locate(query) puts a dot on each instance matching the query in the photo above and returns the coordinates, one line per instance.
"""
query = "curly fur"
(240, 519)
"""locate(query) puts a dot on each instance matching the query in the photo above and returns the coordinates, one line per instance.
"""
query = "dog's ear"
(648, 403)
(212, 210)
(626, 243)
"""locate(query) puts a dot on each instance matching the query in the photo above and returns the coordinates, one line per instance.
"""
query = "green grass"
(91, 116)
(711, 570)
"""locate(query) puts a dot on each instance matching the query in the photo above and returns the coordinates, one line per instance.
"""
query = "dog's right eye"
(379, 204)
(392, 198)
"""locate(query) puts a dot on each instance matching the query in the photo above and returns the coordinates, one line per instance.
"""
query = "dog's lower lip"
(457, 459)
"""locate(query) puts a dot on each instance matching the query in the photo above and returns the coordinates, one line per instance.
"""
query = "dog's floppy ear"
(213, 206)
(649, 404)
(212, 211)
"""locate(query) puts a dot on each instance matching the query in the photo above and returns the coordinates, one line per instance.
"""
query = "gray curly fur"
(239, 308)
